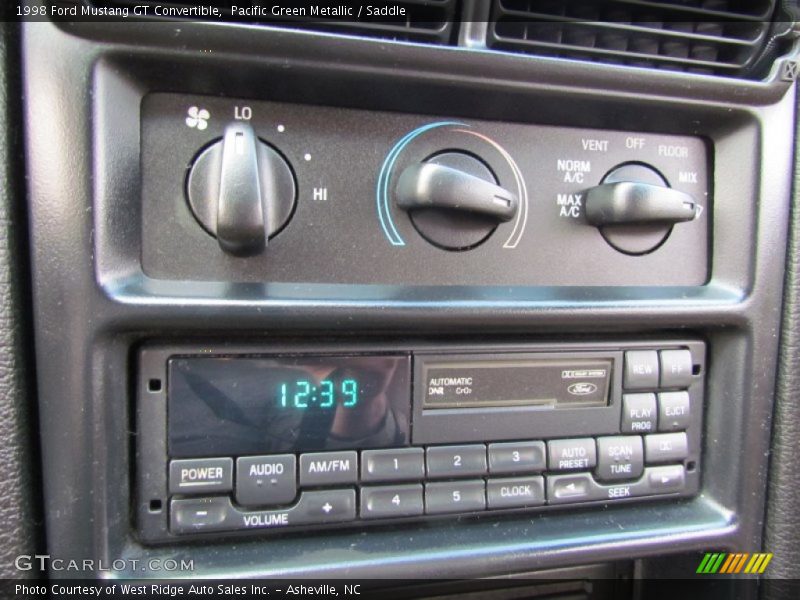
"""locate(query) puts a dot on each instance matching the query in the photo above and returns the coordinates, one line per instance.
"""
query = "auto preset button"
(514, 492)
(517, 457)
(201, 476)
(639, 413)
(401, 464)
(571, 455)
(265, 480)
(619, 457)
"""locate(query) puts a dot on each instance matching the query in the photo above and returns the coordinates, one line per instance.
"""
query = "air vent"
(427, 21)
(721, 37)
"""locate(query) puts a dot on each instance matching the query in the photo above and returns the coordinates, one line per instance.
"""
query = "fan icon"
(198, 117)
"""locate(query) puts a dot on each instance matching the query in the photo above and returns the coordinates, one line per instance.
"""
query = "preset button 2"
(456, 461)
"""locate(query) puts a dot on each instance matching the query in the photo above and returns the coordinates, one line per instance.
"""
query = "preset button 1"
(401, 464)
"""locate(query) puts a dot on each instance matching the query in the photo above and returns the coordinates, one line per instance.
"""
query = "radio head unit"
(253, 439)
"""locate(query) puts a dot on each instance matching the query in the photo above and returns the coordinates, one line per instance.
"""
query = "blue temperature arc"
(382, 190)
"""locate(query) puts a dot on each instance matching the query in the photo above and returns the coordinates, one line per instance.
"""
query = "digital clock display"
(230, 406)
(325, 394)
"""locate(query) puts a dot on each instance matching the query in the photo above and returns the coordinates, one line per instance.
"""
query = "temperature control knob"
(454, 200)
(241, 190)
(635, 209)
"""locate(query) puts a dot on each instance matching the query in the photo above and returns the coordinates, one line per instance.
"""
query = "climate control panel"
(246, 191)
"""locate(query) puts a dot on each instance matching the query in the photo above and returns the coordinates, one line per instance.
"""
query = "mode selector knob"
(635, 209)
(453, 200)
(241, 190)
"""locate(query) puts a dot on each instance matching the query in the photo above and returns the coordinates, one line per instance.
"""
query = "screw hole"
(691, 466)
(154, 385)
(155, 505)
(696, 369)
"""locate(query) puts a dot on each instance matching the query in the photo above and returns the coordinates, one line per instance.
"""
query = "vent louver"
(721, 37)
(427, 21)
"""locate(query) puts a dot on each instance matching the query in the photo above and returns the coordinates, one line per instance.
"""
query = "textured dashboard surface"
(17, 508)
(783, 518)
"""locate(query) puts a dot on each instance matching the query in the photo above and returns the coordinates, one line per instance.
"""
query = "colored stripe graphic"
(752, 563)
(728, 562)
(740, 564)
(703, 563)
(764, 564)
(721, 562)
(716, 565)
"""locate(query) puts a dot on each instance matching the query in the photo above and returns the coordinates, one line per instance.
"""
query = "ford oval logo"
(582, 389)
